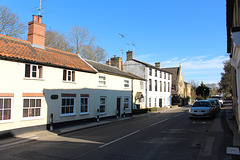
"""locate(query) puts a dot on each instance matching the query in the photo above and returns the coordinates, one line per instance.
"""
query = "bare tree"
(84, 44)
(9, 23)
(56, 40)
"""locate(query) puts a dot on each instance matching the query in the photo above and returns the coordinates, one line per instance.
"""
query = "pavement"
(222, 140)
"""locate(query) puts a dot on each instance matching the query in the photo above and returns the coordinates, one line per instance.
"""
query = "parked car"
(202, 108)
(215, 102)
(220, 99)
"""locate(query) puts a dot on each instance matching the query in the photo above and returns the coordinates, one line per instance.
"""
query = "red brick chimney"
(36, 32)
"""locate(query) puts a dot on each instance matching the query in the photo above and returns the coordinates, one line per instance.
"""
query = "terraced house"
(40, 85)
(159, 82)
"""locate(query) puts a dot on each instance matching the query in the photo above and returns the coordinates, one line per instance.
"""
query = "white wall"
(13, 81)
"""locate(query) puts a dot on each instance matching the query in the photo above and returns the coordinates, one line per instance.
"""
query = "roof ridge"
(15, 39)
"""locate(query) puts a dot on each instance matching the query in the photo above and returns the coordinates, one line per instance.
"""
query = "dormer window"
(68, 75)
(33, 71)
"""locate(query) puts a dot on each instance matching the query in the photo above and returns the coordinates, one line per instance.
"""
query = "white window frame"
(2, 110)
(126, 103)
(34, 107)
(102, 82)
(87, 112)
(74, 106)
(72, 75)
(38, 72)
(126, 83)
(103, 104)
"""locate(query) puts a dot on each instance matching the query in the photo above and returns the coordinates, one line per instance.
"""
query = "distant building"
(159, 82)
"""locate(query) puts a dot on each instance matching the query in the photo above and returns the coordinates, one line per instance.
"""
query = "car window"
(201, 104)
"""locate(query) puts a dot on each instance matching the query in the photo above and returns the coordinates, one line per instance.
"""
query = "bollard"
(123, 112)
(117, 114)
(51, 122)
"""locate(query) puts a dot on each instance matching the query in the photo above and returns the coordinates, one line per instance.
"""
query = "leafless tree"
(9, 23)
(84, 44)
(56, 40)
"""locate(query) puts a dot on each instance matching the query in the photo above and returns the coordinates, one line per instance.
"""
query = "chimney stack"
(158, 64)
(36, 32)
(130, 55)
(117, 62)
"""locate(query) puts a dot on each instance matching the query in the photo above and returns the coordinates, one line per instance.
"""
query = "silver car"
(202, 108)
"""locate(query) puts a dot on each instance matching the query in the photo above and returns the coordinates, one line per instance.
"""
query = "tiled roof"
(149, 65)
(19, 50)
(104, 68)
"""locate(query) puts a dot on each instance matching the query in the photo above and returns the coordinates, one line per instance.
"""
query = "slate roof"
(175, 74)
(104, 68)
(22, 51)
(149, 65)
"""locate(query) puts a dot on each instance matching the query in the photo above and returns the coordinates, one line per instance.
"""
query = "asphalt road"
(168, 135)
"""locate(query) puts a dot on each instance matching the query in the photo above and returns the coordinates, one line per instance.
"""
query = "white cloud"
(201, 68)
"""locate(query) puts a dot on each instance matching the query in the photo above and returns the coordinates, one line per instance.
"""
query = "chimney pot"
(34, 18)
(39, 19)
(108, 62)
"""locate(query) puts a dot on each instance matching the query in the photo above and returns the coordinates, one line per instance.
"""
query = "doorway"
(118, 106)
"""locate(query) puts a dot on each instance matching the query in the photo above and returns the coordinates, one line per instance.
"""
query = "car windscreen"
(201, 104)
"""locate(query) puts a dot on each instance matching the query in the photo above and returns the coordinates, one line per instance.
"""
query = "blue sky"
(190, 32)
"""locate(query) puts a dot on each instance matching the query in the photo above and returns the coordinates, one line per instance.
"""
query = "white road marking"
(178, 115)
(158, 122)
(119, 139)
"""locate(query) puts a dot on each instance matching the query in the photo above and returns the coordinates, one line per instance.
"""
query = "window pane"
(37, 112)
(73, 76)
(72, 101)
(25, 113)
(71, 109)
(67, 110)
(102, 100)
(1, 116)
(63, 110)
(31, 112)
(40, 71)
(7, 103)
(102, 108)
(68, 101)
(38, 102)
(125, 99)
(27, 70)
(26, 103)
(69, 75)
(32, 102)
(63, 102)
(1, 103)
(6, 115)
(34, 71)
(64, 75)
